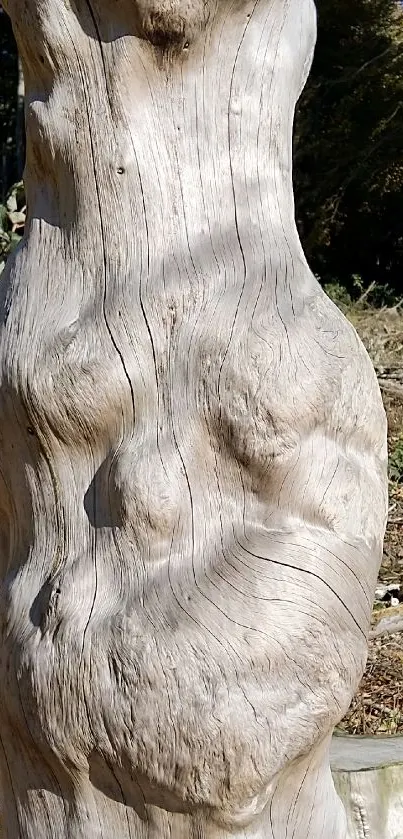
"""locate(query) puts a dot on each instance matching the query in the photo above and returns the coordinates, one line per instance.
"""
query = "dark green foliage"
(349, 146)
(8, 106)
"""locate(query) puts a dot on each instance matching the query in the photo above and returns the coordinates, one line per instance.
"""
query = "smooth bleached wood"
(193, 482)
(368, 775)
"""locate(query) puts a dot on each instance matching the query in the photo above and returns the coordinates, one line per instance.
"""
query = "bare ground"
(377, 708)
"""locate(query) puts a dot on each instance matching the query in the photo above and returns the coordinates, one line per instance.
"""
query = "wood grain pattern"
(193, 444)
(368, 775)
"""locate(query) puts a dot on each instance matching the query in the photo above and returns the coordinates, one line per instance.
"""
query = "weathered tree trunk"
(193, 490)
(368, 775)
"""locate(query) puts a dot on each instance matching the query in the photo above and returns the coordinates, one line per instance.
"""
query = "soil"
(377, 707)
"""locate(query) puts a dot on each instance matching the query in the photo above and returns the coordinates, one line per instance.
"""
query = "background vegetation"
(349, 148)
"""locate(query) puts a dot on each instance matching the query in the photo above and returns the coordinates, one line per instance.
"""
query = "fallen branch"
(391, 387)
(387, 626)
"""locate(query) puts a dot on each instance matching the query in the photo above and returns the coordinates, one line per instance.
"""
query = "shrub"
(12, 221)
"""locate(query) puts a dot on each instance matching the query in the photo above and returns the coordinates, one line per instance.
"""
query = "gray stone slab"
(351, 754)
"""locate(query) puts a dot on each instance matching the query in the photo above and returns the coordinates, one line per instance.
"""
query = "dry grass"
(381, 330)
(377, 708)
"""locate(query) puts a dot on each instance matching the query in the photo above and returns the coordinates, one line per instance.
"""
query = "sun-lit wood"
(192, 440)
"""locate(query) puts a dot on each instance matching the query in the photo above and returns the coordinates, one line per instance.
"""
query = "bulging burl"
(192, 440)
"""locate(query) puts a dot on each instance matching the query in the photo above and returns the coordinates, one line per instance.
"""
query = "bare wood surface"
(193, 444)
(368, 775)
